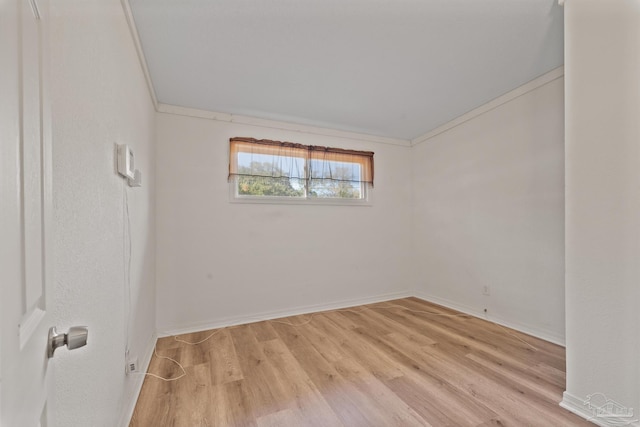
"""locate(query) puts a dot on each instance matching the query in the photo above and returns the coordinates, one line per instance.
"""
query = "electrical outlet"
(132, 365)
(486, 290)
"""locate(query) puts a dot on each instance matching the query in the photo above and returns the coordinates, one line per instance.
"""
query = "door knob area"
(75, 338)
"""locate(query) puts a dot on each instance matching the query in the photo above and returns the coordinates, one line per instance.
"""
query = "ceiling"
(392, 68)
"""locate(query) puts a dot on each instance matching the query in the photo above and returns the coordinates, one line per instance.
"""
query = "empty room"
(319, 213)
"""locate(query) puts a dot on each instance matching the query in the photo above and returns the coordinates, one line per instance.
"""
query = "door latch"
(75, 338)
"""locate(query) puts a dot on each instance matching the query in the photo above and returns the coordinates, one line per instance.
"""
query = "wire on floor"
(155, 351)
(351, 310)
(310, 318)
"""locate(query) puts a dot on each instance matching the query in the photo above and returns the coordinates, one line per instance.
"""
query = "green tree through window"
(256, 180)
(340, 186)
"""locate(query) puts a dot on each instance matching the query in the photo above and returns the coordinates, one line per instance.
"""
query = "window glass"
(265, 169)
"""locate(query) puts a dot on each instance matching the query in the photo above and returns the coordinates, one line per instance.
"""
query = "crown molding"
(509, 96)
(136, 42)
(232, 118)
(273, 124)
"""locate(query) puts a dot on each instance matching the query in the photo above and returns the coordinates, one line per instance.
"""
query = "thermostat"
(125, 162)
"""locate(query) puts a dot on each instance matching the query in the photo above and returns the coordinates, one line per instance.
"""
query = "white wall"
(99, 98)
(488, 211)
(220, 262)
(602, 53)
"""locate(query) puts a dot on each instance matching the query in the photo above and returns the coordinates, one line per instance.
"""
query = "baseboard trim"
(527, 329)
(130, 405)
(269, 315)
(577, 406)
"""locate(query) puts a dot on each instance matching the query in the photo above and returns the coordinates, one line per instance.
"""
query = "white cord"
(312, 315)
(155, 351)
(127, 255)
(201, 341)
(126, 196)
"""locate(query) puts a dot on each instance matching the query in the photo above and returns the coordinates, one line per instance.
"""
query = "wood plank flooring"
(398, 363)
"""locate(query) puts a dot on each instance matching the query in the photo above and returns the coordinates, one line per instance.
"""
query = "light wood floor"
(377, 365)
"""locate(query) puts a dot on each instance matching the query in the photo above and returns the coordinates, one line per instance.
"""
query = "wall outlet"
(132, 365)
(486, 290)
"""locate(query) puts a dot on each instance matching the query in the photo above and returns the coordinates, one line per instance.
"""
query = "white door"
(25, 213)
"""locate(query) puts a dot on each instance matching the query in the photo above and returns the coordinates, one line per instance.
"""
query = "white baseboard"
(527, 329)
(576, 405)
(136, 387)
(268, 315)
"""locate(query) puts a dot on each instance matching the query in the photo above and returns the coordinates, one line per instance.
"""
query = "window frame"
(366, 188)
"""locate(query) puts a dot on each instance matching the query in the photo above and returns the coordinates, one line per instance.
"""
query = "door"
(25, 215)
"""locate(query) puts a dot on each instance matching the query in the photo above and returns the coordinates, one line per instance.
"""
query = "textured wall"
(603, 201)
(489, 211)
(218, 260)
(99, 98)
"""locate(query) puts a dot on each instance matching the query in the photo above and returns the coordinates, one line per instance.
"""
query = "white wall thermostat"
(125, 162)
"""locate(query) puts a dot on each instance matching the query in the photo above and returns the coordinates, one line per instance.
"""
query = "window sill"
(299, 201)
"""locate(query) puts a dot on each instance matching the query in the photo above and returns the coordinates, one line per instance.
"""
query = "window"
(264, 170)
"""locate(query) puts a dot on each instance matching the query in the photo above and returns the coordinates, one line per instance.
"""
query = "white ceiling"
(393, 68)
